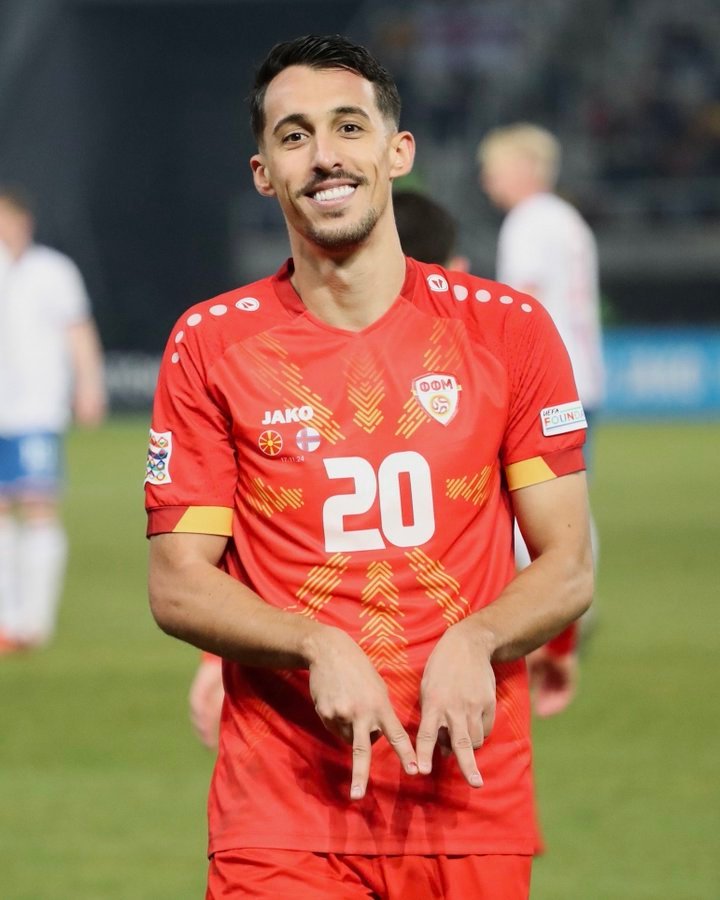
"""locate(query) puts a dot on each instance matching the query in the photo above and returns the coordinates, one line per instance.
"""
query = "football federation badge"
(437, 393)
(157, 470)
(270, 442)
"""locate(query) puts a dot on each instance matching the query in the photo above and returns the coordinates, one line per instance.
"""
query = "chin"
(345, 236)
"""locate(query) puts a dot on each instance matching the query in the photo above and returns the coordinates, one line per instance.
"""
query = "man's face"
(15, 227)
(503, 176)
(328, 154)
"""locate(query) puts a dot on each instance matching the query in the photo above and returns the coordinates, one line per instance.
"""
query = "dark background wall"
(127, 121)
(129, 128)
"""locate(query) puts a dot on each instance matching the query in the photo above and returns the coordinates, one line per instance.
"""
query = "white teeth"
(335, 193)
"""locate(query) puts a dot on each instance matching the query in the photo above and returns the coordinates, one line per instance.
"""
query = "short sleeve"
(191, 472)
(70, 302)
(546, 423)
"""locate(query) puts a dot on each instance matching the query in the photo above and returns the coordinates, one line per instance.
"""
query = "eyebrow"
(302, 120)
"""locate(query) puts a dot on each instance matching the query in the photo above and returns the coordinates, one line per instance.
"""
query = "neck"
(528, 189)
(350, 290)
(16, 249)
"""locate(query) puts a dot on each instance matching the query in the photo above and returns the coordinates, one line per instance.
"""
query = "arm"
(557, 587)
(205, 700)
(195, 601)
(89, 400)
(458, 688)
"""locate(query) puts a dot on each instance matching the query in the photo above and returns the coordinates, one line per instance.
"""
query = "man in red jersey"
(336, 455)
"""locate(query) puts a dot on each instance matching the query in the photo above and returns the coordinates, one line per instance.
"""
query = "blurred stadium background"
(126, 122)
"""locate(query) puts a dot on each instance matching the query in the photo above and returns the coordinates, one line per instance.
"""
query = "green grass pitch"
(102, 784)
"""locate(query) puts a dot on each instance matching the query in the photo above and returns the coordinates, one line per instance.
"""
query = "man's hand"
(457, 698)
(553, 680)
(206, 699)
(90, 404)
(352, 701)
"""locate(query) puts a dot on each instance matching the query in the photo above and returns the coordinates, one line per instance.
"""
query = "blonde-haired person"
(546, 249)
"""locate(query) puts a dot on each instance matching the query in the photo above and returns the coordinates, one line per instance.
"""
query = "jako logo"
(289, 414)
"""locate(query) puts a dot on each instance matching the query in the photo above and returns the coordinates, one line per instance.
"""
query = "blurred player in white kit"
(546, 248)
(50, 369)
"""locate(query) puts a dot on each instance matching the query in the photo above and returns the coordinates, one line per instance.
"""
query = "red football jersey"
(363, 479)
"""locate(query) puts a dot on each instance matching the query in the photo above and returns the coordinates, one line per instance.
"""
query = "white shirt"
(41, 295)
(546, 248)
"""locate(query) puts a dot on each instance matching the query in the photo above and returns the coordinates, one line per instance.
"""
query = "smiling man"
(353, 565)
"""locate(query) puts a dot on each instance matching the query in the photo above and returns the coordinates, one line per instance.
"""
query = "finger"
(427, 737)
(361, 758)
(400, 741)
(488, 722)
(464, 752)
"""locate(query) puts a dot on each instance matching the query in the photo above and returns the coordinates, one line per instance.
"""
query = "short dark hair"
(427, 230)
(17, 197)
(323, 52)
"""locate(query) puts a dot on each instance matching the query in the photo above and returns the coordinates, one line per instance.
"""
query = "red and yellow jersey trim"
(190, 520)
(544, 468)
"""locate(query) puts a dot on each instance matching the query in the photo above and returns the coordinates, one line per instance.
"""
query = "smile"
(334, 193)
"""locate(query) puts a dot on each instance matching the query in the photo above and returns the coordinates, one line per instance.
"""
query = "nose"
(327, 155)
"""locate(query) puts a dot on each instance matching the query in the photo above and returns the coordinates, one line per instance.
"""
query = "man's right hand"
(353, 703)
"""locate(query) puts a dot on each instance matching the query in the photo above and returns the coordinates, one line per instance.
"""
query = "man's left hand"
(457, 697)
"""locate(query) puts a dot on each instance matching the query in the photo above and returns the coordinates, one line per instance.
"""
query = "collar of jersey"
(292, 302)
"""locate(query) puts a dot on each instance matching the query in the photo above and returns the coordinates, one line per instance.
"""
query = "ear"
(402, 154)
(261, 177)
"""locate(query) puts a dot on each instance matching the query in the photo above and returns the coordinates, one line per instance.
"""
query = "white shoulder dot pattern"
(179, 336)
(482, 296)
(506, 299)
(175, 358)
(218, 310)
(194, 319)
(525, 307)
(460, 291)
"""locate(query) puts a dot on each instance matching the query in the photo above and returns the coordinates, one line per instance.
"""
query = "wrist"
(477, 631)
(312, 642)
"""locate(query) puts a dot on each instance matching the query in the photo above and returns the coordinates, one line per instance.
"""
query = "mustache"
(324, 177)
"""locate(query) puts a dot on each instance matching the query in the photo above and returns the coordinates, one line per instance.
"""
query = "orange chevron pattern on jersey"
(366, 392)
(285, 378)
(439, 584)
(268, 500)
(444, 353)
(382, 638)
(511, 706)
(473, 488)
(320, 584)
(413, 416)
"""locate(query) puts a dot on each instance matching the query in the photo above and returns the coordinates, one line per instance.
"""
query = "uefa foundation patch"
(563, 418)
(158, 459)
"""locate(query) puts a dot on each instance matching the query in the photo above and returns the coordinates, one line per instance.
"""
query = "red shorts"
(300, 875)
